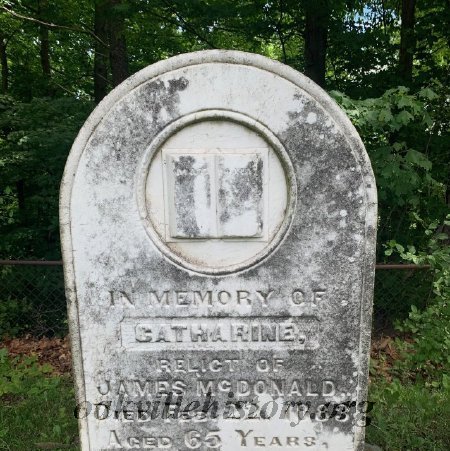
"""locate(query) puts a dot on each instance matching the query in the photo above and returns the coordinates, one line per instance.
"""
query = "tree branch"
(278, 28)
(184, 24)
(55, 26)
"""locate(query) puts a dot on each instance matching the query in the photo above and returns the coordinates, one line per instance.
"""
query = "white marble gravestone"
(218, 216)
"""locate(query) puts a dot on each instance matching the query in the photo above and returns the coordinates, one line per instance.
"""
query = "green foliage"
(69, 49)
(23, 377)
(396, 290)
(364, 44)
(427, 357)
(409, 417)
(35, 139)
(35, 406)
(403, 136)
(13, 314)
(405, 131)
(32, 301)
(401, 170)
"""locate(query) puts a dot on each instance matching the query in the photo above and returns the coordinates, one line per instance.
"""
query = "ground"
(37, 400)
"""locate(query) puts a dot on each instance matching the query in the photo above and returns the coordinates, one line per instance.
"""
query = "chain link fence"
(397, 288)
(32, 299)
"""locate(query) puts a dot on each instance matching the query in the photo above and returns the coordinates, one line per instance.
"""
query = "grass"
(36, 411)
(409, 417)
(40, 421)
(36, 408)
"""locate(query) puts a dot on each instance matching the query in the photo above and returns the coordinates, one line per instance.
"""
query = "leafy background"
(386, 62)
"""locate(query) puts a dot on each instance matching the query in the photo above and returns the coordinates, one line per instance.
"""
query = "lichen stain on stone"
(293, 115)
(243, 190)
(159, 95)
(120, 136)
(207, 187)
(185, 175)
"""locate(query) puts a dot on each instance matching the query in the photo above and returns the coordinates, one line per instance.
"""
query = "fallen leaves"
(53, 351)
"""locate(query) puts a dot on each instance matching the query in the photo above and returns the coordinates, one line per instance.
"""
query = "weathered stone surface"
(218, 217)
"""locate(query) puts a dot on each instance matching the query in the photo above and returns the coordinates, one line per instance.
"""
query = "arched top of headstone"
(238, 88)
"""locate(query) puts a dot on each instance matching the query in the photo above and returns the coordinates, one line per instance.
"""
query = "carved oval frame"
(217, 115)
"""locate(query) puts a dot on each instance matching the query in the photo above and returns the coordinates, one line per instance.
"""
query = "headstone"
(218, 216)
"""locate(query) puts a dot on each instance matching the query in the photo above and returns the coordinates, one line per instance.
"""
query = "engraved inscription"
(143, 442)
(292, 388)
(306, 301)
(218, 333)
(249, 439)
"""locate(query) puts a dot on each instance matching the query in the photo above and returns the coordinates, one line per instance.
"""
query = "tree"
(44, 50)
(117, 41)
(407, 41)
(4, 62)
(317, 14)
(101, 51)
(82, 48)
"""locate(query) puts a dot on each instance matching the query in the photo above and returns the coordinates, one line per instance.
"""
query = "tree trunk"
(101, 52)
(118, 55)
(317, 16)
(407, 40)
(44, 50)
(4, 62)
